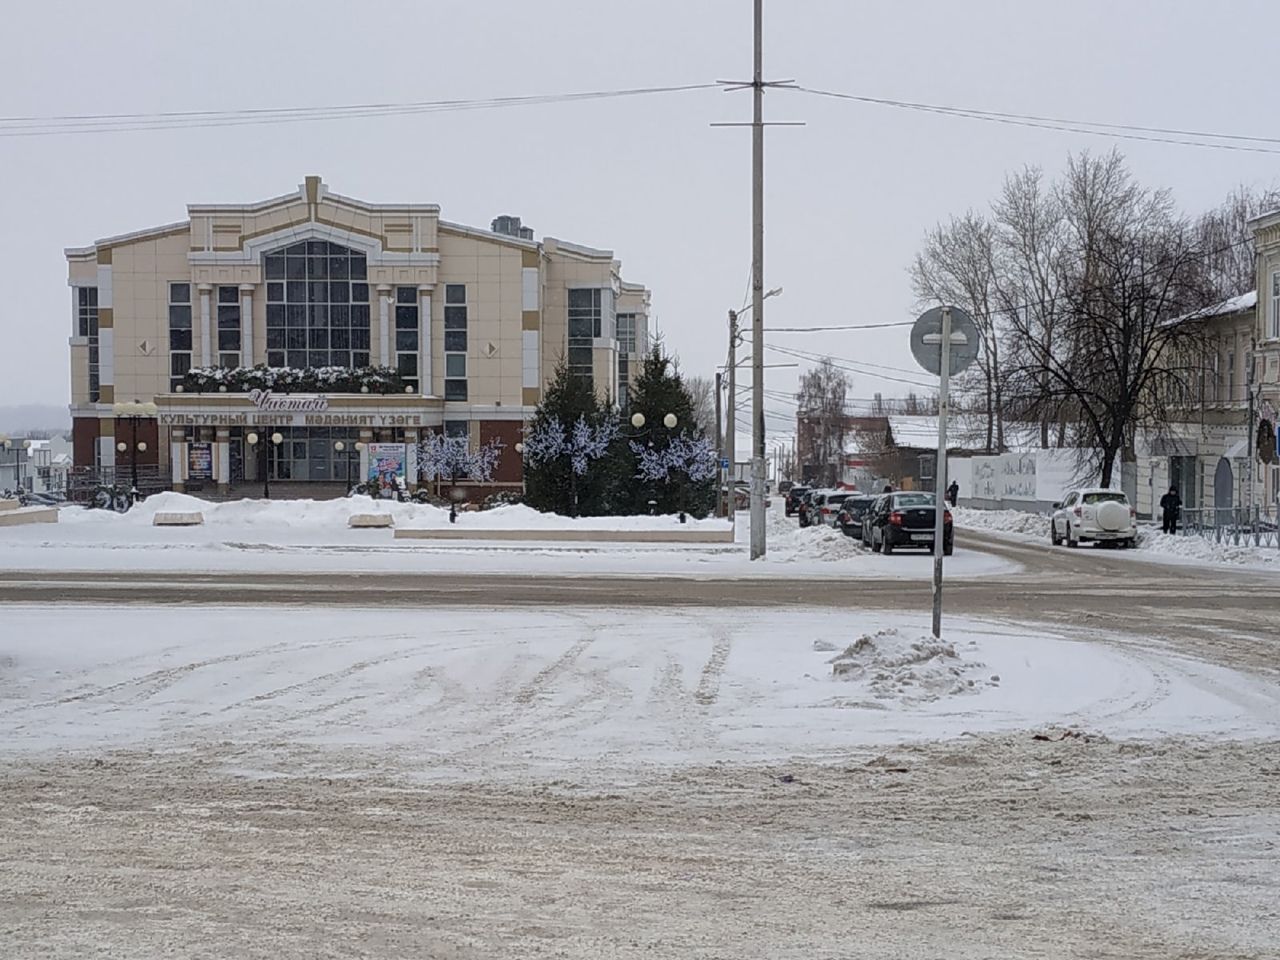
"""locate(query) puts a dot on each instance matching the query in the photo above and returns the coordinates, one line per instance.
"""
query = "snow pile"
(334, 514)
(1202, 549)
(1151, 543)
(890, 665)
(789, 541)
(1002, 521)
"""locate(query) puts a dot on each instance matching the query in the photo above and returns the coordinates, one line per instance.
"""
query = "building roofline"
(480, 233)
(160, 231)
(1264, 220)
(580, 250)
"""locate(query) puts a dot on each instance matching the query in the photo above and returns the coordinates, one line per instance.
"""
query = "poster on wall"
(387, 467)
(200, 461)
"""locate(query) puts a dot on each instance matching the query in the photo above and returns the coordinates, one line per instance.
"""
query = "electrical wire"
(841, 326)
(62, 124)
(1117, 130)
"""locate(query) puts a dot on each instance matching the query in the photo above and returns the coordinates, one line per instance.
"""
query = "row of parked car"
(883, 522)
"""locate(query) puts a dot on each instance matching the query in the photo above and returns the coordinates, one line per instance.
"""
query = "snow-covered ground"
(452, 693)
(312, 536)
(1152, 544)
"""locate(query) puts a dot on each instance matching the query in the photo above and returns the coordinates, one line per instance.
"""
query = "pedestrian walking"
(1170, 507)
(953, 493)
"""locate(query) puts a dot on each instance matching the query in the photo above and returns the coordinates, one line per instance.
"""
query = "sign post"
(944, 341)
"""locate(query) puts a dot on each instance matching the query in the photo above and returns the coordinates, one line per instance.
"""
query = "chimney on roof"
(510, 226)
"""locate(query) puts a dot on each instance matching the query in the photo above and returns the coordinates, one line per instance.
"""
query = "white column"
(206, 327)
(222, 459)
(178, 459)
(384, 325)
(246, 324)
(425, 378)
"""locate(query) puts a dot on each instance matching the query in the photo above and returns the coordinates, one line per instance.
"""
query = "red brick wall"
(510, 432)
(84, 435)
(148, 433)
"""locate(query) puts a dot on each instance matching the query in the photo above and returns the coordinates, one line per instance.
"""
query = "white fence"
(1033, 480)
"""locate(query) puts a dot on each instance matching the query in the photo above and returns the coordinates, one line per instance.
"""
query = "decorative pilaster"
(206, 326)
(246, 324)
(384, 324)
(425, 380)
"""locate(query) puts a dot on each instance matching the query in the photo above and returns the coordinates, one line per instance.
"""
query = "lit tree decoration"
(695, 458)
(550, 441)
(448, 458)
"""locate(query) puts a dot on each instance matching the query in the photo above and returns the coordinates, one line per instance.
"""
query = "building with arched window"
(335, 324)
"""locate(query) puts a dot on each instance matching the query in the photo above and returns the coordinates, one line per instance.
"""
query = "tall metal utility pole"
(757, 289)
(720, 471)
(731, 409)
(757, 85)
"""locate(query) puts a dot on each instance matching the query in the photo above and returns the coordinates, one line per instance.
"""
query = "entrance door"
(1223, 485)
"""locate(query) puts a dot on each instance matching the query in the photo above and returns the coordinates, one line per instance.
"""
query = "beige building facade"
(457, 328)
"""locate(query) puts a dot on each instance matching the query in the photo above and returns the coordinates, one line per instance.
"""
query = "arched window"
(317, 306)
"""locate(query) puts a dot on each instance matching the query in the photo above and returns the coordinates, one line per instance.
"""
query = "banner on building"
(387, 463)
(200, 461)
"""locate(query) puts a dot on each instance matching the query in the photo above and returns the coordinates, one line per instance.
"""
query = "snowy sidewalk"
(1152, 545)
(313, 537)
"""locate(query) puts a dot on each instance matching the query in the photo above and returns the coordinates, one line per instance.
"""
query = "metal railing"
(84, 482)
(1238, 526)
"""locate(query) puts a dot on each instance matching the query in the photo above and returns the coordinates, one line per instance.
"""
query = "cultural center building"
(395, 321)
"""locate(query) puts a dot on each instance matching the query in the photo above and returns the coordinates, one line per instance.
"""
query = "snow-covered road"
(582, 692)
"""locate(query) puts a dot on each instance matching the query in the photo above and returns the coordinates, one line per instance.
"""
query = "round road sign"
(926, 340)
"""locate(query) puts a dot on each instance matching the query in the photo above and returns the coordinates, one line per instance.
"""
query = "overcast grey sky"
(848, 196)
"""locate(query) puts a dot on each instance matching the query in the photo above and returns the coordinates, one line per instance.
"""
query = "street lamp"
(340, 446)
(134, 411)
(253, 440)
(669, 421)
(6, 444)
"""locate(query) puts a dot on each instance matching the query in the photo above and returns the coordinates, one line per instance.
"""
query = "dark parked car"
(807, 508)
(905, 520)
(849, 519)
(793, 499)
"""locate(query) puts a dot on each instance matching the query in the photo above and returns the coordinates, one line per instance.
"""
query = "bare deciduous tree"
(702, 392)
(1129, 267)
(822, 410)
(1224, 236)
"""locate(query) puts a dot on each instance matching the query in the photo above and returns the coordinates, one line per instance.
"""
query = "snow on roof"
(914, 431)
(965, 430)
(1238, 304)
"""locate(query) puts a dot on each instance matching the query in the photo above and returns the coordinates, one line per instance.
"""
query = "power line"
(56, 125)
(840, 326)
(1117, 130)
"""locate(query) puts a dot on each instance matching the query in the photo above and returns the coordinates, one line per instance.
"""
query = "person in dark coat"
(1170, 507)
(888, 488)
(953, 493)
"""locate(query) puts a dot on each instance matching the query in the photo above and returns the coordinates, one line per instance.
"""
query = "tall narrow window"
(1231, 376)
(317, 306)
(228, 326)
(455, 341)
(1275, 304)
(179, 332)
(87, 327)
(626, 333)
(585, 317)
(407, 335)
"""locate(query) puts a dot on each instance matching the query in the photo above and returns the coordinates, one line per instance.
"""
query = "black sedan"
(794, 496)
(905, 520)
(854, 508)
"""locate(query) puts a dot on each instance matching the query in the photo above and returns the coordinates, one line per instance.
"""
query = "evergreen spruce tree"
(659, 390)
(551, 482)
